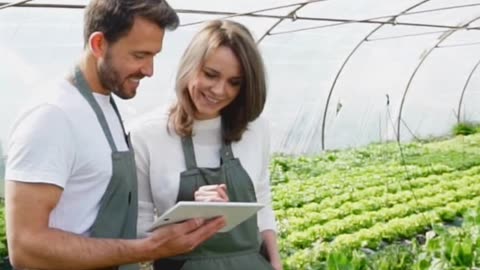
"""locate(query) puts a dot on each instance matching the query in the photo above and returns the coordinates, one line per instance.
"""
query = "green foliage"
(452, 248)
(346, 260)
(2, 171)
(332, 206)
(394, 257)
(2, 162)
(3, 238)
(465, 128)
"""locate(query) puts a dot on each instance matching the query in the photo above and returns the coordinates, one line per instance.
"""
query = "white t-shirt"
(59, 141)
(160, 160)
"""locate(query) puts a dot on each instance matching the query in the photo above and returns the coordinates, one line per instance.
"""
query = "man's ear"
(97, 44)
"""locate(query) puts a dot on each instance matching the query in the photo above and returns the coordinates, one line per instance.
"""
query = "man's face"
(130, 59)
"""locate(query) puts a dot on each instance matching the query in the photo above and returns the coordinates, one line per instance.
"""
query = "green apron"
(117, 216)
(234, 250)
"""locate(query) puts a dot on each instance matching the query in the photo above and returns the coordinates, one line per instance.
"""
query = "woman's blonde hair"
(249, 103)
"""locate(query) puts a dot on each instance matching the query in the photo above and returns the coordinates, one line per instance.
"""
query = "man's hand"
(181, 238)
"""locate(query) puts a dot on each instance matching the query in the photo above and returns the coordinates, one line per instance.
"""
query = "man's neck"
(88, 66)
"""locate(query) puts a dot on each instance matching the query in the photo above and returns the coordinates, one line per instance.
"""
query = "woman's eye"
(209, 74)
(235, 83)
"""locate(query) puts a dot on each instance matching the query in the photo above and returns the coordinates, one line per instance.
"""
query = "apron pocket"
(265, 262)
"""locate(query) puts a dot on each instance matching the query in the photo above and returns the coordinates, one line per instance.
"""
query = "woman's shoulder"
(152, 123)
(257, 132)
(258, 126)
(254, 145)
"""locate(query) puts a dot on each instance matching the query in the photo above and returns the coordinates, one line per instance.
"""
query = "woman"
(212, 146)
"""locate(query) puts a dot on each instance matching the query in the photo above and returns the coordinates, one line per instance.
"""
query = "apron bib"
(237, 249)
(117, 216)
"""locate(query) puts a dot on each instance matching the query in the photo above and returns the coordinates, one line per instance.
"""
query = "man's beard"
(110, 78)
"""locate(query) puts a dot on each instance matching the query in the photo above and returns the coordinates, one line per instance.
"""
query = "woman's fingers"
(212, 193)
(222, 191)
(211, 196)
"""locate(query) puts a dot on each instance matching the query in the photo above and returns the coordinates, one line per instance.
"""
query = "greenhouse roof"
(342, 73)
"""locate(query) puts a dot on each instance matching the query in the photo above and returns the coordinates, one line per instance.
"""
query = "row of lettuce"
(380, 207)
(3, 238)
(443, 247)
(371, 208)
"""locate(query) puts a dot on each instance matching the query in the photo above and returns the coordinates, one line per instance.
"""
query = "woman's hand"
(276, 263)
(270, 241)
(212, 193)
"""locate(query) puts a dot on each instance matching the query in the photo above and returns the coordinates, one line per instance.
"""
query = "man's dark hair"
(114, 18)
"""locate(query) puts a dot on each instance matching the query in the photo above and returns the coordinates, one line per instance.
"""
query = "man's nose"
(147, 68)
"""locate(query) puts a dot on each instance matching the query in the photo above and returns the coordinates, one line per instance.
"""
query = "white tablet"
(234, 213)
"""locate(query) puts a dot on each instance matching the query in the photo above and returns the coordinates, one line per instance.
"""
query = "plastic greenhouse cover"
(341, 72)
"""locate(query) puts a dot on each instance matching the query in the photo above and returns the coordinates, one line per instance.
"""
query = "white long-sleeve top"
(159, 158)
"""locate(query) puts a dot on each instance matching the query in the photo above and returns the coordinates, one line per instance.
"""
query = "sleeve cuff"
(266, 219)
(34, 178)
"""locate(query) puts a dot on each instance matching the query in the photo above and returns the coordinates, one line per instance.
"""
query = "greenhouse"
(371, 108)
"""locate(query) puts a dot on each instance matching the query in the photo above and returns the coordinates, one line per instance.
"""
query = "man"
(71, 191)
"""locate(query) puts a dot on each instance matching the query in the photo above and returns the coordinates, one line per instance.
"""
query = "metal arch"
(290, 15)
(364, 21)
(270, 29)
(2, 6)
(464, 90)
(345, 63)
(375, 20)
(186, 11)
(338, 21)
(67, 6)
(460, 45)
(407, 35)
(253, 13)
(424, 57)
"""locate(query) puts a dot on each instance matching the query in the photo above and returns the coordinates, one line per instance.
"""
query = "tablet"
(234, 213)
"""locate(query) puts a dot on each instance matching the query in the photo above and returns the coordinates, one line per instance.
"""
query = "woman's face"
(216, 84)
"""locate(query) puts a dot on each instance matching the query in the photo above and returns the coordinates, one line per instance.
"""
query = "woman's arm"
(269, 238)
(266, 217)
(146, 212)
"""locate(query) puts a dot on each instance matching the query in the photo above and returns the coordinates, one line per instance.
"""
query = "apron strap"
(189, 152)
(115, 108)
(82, 86)
(226, 152)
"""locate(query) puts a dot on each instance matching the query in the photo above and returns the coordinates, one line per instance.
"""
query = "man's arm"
(32, 244)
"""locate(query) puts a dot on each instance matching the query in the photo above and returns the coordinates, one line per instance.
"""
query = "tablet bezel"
(234, 213)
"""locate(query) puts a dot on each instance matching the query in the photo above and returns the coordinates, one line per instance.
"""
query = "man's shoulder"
(63, 94)
(42, 118)
(58, 92)
(48, 94)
